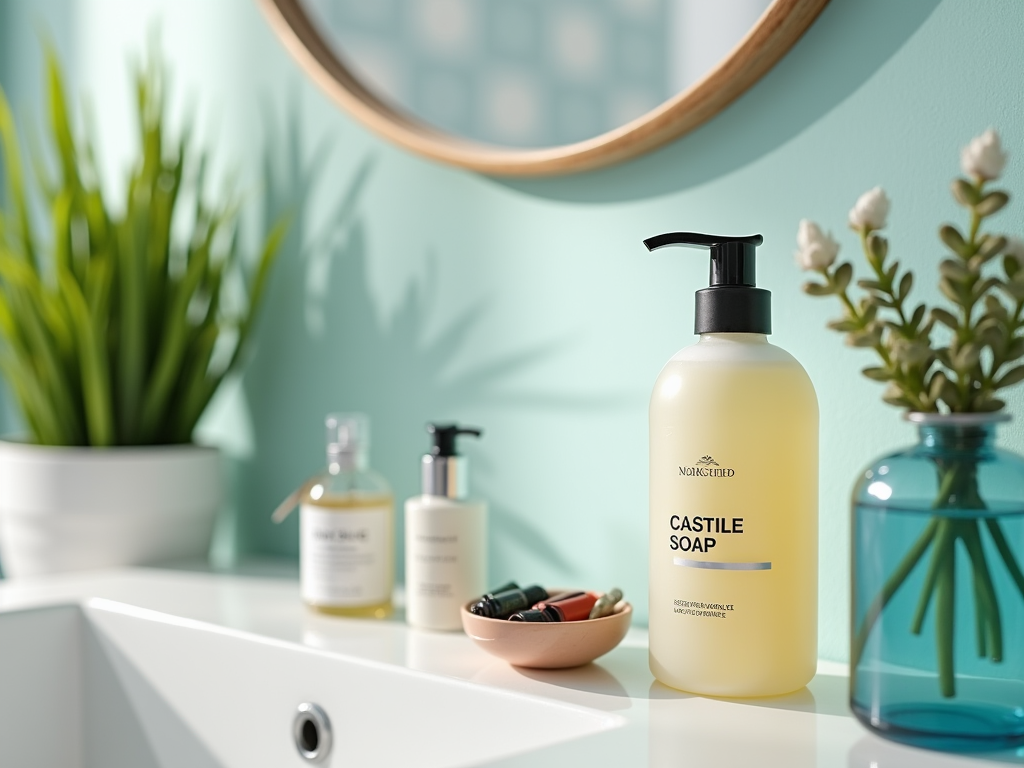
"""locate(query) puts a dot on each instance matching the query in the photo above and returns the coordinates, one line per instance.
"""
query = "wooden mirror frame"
(779, 27)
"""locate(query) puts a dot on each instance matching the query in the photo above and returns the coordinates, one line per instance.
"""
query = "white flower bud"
(1014, 247)
(816, 250)
(870, 211)
(983, 158)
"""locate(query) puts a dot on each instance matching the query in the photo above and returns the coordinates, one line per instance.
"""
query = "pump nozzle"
(443, 470)
(444, 437)
(732, 303)
(348, 437)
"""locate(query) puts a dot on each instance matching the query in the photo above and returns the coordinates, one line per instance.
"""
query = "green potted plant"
(937, 615)
(118, 322)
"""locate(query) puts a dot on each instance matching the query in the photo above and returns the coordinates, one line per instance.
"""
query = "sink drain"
(312, 733)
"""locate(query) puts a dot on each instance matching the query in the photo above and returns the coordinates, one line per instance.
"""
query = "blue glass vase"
(937, 615)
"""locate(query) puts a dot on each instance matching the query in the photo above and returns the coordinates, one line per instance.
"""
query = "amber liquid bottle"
(346, 528)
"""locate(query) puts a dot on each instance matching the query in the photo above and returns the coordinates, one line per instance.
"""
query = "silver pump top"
(443, 471)
(445, 476)
(348, 441)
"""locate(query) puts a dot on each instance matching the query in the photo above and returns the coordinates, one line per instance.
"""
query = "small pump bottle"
(733, 495)
(346, 528)
(445, 537)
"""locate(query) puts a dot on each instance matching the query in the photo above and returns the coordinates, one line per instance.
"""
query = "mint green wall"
(415, 291)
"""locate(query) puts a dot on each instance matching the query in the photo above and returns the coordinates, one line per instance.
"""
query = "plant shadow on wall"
(323, 347)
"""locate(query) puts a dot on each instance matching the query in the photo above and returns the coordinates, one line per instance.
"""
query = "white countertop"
(662, 727)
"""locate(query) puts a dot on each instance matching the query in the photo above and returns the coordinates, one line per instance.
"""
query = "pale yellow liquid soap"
(360, 577)
(733, 519)
(346, 528)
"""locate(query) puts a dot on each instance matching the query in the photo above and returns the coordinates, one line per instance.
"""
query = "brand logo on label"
(706, 467)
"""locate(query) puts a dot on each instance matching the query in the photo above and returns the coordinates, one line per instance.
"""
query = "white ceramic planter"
(65, 509)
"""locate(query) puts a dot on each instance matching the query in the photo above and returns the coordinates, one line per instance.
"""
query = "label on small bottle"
(344, 556)
(445, 560)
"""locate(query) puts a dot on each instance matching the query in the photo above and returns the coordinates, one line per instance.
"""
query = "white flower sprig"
(870, 212)
(985, 324)
(987, 330)
(983, 159)
(815, 249)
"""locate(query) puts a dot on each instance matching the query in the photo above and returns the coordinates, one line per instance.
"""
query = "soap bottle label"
(446, 565)
(344, 560)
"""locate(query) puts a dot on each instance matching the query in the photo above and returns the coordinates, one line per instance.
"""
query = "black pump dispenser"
(732, 303)
(444, 437)
(445, 472)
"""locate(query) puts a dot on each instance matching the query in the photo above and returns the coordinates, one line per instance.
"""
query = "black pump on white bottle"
(733, 495)
(445, 537)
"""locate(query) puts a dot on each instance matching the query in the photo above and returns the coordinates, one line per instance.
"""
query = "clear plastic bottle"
(733, 495)
(346, 528)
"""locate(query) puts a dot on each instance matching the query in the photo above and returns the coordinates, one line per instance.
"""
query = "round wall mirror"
(537, 87)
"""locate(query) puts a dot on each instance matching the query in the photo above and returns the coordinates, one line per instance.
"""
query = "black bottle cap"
(444, 437)
(502, 588)
(545, 615)
(501, 605)
(535, 593)
(732, 303)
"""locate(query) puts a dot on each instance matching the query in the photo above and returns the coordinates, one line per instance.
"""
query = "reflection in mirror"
(531, 73)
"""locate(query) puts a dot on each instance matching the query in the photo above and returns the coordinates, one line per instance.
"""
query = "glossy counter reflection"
(690, 730)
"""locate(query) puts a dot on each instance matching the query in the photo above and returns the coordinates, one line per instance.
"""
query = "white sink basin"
(146, 668)
(107, 685)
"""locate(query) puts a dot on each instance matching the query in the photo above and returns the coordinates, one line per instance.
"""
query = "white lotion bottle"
(733, 495)
(445, 537)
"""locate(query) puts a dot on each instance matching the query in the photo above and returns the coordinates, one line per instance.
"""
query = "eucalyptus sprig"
(118, 328)
(985, 318)
(961, 372)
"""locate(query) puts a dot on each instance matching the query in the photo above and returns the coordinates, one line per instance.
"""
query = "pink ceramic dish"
(548, 646)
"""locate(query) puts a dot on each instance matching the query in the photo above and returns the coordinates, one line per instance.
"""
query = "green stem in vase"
(996, 531)
(980, 623)
(943, 533)
(945, 585)
(892, 584)
(958, 490)
(980, 619)
(986, 602)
